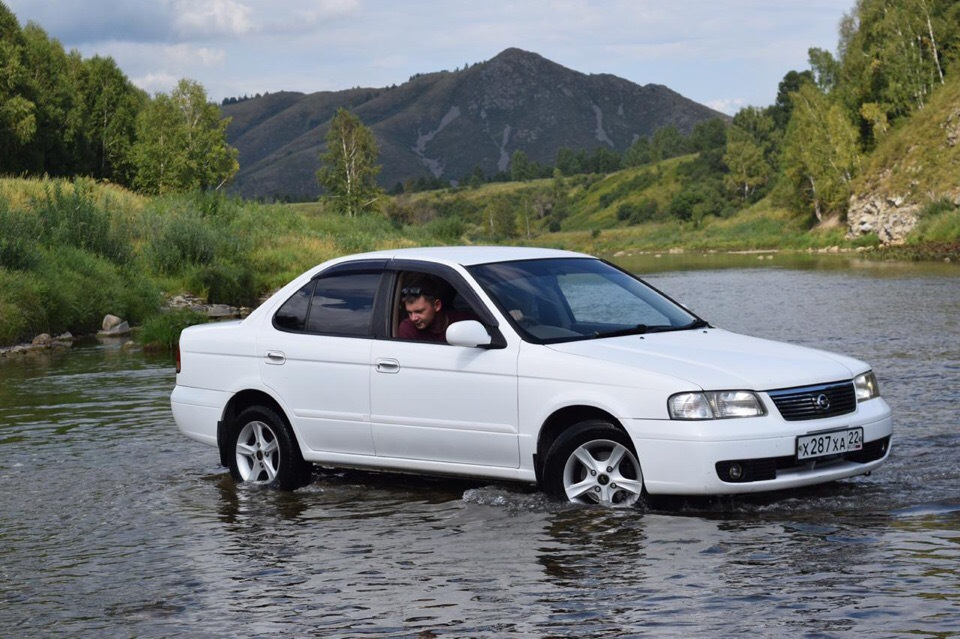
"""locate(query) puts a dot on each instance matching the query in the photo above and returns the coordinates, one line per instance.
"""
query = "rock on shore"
(42, 342)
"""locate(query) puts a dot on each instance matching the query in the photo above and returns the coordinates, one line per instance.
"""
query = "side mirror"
(469, 333)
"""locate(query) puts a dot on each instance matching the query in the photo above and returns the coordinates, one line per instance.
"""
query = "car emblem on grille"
(823, 402)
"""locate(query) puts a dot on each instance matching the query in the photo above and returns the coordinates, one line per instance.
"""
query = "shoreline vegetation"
(72, 251)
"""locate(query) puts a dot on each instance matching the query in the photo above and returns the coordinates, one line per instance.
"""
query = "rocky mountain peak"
(444, 125)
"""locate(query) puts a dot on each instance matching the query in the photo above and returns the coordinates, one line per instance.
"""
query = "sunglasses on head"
(411, 291)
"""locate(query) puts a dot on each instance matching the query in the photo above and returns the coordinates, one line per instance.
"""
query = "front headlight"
(867, 387)
(715, 405)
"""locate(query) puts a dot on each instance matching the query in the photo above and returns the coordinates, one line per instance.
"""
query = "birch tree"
(820, 151)
(348, 167)
(181, 143)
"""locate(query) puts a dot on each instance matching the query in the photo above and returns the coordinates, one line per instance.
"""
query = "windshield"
(559, 300)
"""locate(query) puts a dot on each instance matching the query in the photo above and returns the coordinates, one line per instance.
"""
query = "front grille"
(815, 402)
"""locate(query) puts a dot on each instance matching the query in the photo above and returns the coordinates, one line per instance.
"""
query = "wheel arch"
(561, 419)
(241, 401)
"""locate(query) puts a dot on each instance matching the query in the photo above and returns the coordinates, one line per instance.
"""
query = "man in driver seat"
(428, 315)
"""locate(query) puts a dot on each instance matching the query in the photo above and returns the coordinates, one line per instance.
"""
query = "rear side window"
(335, 305)
(292, 316)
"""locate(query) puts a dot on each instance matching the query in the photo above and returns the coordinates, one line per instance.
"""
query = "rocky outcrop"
(952, 128)
(890, 218)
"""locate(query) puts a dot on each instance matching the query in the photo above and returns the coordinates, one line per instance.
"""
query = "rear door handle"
(388, 366)
(276, 357)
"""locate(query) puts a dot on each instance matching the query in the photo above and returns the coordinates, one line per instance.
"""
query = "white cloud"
(156, 82)
(700, 48)
(730, 106)
(212, 18)
(185, 55)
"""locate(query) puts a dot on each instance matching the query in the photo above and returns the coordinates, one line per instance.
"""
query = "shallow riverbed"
(114, 525)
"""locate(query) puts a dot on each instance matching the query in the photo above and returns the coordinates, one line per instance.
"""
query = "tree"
(751, 151)
(605, 160)
(503, 218)
(667, 142)
(744, 157)
(520, 167)
(348, 167)
(709, 134)
(637, 154)
(110, 104)
(820, 154)
(18, 119)
(52, 89)
(781, 109)
(181, 143)
(892, 53)
(567, 161)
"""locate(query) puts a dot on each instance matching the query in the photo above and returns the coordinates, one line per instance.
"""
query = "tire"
(593, 462)
(262, 450)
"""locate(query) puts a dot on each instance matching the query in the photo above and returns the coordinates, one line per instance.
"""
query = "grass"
(915, 159)
(73, 251)
(162, 332)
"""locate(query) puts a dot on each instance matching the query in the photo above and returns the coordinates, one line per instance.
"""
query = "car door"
(316, 356)
(443, 403)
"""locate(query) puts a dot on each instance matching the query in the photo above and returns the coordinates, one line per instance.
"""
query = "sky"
(726, 54)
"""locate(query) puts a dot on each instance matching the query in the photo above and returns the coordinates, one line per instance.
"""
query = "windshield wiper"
(697, 323)
(639, 329)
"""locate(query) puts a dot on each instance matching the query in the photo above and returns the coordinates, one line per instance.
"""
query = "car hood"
(714, 359)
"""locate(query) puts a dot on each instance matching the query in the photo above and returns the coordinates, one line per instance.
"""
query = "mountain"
(444, 124)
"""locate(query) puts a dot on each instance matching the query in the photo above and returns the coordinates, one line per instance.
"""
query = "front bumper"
(687, 458)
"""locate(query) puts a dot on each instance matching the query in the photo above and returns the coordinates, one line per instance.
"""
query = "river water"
(113, 525)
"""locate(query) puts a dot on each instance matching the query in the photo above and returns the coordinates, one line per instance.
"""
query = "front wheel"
(593, 463)
(263, 451)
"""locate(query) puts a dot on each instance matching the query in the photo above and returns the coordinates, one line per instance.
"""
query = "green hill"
(910, 186)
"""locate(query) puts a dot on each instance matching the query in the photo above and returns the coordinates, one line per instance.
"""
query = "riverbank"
(73, 251)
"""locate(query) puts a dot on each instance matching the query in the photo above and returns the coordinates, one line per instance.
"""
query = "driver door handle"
(388, 366)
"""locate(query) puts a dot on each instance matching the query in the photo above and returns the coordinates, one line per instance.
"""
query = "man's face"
(421, 312)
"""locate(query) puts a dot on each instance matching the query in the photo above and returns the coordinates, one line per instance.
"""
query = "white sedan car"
(531, 365)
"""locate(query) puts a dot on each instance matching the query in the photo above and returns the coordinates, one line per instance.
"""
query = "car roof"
(466, 255)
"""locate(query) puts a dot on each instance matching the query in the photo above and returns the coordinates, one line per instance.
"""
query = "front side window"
(337, 305)
(565, 299)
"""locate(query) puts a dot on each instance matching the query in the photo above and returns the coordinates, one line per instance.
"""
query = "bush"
(22, 313)
(162, 332)
(446, 230)
(937, 207)
(75, 218)
(183, 241)
(80, 288)
(225, 283)
(626, 212)
(18, 243)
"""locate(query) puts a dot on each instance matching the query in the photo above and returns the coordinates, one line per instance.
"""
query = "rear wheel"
(262, 450)
(593, 462)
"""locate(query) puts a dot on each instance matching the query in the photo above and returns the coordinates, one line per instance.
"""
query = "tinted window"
(292, 316)
(343, 304)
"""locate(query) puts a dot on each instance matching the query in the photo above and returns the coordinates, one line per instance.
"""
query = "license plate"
(826, 444)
